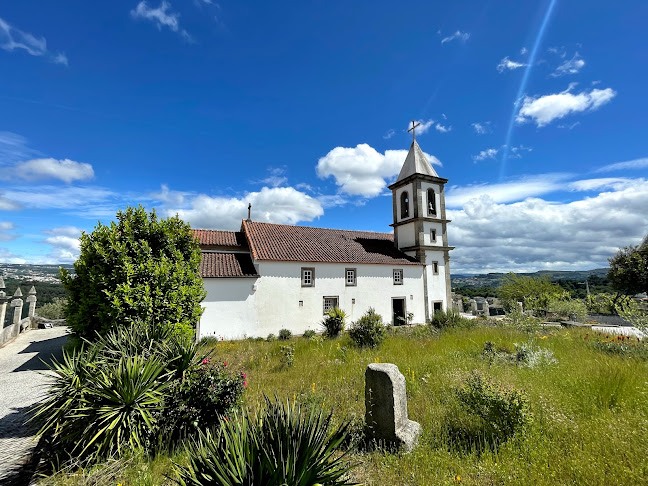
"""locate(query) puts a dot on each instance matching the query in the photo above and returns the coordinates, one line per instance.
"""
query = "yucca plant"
(282, 444)
(334, 322)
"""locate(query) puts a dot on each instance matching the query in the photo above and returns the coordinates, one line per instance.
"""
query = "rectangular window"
(350, 277)
(433, 235)
(330, 303)
(437, 307)
(308, 277)
(435, 268)
(398, 277)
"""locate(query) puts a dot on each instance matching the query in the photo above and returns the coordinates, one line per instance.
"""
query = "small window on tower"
(435, 268)
(404, 200)
(433, 235)
(431, 197)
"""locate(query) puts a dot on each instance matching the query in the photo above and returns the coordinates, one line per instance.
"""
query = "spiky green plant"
(283, 444)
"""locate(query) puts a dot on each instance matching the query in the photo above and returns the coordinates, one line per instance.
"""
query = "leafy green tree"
(534, 293)
(139, 268)
(629, 269)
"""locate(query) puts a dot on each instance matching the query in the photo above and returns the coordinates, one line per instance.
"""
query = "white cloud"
(516, 152)
(275, 178)
(462, 36)
(363, 171)
(7, 204)
(5, 231)
(616, 183)
(441, 128)
(167, 196)
(12, 38)
(627, 165)
(544, 109)
(13, 147)
(423, 126)
(507, 64)
(68, 197)
(490, 153)
(161, 16)
(390, 133)
(482, 128)
(283, 205)
(523, 51)
(572, 66)
(537, 234)
(65, 170)
(65, 241)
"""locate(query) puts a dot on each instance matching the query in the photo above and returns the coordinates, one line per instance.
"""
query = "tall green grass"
(590, 408)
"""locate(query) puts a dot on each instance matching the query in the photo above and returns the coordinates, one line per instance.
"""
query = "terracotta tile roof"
(304, 244)
(220, 238)
(227, 265)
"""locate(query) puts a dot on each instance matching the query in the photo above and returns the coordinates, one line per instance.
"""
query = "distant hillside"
(35, 273)
(494, 279)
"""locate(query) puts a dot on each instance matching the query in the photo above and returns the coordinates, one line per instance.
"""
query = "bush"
(568, 309)
(334, 322)
(450, 319)
(503, 411)
(271, 337)
(197, 401)
(369, 331)
(287, 355)
(53, 310)
(284, 335)
(140, 268)
(283, 444)
(309, 334)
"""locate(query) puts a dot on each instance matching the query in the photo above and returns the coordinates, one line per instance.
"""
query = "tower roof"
(416, 163)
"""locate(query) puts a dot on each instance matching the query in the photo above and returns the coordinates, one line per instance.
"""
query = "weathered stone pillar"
(17, 304)
(3, 303)
(386, 407)
(31, 298)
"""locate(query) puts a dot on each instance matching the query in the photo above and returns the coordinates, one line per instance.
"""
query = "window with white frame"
(398, 276)
(330, 303)
(350, 277)
(308, 277)
(435, 268)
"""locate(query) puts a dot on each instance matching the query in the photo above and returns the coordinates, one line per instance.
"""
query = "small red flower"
(225, 363)
(245, 383)
(226, 418)
(244, 375)
(205, 361)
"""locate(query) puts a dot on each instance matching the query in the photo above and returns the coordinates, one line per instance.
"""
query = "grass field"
(590, 407)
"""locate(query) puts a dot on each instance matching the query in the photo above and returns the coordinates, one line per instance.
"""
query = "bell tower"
(420, 225)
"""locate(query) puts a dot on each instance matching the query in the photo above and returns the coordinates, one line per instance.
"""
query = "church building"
(268, 277)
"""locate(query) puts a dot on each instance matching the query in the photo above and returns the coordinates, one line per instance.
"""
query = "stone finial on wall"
(31, 298)
(17, 304)
(386, 407)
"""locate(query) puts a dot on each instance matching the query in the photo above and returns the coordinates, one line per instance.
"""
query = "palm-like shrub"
(368, 331)
(283, 444)
(334, 322)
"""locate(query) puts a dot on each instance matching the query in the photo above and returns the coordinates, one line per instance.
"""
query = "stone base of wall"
(10, 333)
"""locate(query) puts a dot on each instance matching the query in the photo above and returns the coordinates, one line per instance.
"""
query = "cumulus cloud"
(275, 177)
(571, 66)
(7, 204)
(490, 153)
(507, 65)
(390, 133)
(545, 109)
(482, 128)
(514, 153)
(423, 126)
(442, 128)
(167, 196)
(462, 36)
(283, 205)
(12, 38)
(534, 234)
(627, 165)
(65, 243)
(65, 170)
(162, 16)
(363, 171)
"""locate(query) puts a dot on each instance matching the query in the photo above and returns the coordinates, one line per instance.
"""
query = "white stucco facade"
(249, 307)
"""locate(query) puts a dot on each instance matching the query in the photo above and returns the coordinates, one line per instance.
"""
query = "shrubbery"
(450, 319)
(284, 334)
(568, 309)
(368, 331)
(503, 411)
(334, 322)
(53, 310)
(309, 334)
(283, 444)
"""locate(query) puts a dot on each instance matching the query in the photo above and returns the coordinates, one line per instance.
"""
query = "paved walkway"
(23, 383)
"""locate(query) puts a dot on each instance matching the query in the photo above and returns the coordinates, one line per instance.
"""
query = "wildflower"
(226, 419)
(457, 479)
(205, 361)
(225, 363)
(313, 387)
(243, 375)
(245, 383)
(543, 337)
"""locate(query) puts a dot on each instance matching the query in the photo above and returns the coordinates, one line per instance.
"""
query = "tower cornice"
(420, 177)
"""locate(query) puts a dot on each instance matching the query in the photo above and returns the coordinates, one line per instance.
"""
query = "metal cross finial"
(413, 129)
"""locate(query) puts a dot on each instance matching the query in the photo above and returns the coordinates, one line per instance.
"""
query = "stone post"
(31, 298)
(3, 303)
(17, 304)
(386, 407)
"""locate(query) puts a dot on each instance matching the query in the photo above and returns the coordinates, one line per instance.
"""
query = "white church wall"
(229, 308)
(406, 235)
(427, 237)
(279, 293)
(436, 282)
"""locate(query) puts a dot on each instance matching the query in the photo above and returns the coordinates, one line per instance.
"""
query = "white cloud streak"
(65, 170)
(572, 66)
(482, 128)
(462, 36)
(545, 109)
(507, 65)
(12, 39)
(162, 16)
(627, 165)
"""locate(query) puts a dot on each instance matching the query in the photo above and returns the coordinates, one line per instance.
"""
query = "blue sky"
(535, 112)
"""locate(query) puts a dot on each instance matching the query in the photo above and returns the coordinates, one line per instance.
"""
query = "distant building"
(266, 277)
